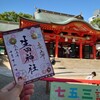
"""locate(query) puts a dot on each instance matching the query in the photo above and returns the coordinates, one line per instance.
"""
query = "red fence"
(71, 80)
(96, 82)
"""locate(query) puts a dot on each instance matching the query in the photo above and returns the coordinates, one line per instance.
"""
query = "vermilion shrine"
(63, 32)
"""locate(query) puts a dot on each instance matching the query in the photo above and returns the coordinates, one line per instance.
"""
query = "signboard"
(65, 91)
(28, 54)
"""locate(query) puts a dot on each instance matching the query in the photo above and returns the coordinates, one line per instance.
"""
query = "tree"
(13, 16)
(96, 22)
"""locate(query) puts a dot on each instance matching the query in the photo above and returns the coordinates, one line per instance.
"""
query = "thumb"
(14, 93)
(18, 88)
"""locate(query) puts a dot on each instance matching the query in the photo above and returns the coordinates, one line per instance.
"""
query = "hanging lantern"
(73, 40)
(88, 37)
(98, 46)
(66, 39)
(61, 34)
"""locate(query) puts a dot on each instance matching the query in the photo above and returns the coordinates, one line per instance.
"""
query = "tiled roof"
(6, 26)
(45, 16)
(53, 17)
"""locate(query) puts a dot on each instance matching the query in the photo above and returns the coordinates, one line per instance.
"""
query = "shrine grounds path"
(40, 86)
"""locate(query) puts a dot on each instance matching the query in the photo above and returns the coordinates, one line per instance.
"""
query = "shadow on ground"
(63, 72)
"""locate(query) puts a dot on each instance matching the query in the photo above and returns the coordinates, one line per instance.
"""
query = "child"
(90, 77)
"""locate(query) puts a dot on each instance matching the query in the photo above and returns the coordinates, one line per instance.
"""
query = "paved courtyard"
(40, 86)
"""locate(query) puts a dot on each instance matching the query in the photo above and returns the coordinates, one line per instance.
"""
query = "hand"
(27, 91)
(17, 91)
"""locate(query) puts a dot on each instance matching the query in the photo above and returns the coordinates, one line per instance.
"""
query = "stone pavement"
(40, 86)
(60, 71)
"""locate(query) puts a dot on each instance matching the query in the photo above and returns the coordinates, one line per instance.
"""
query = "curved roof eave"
(75, 20)
(65, 22)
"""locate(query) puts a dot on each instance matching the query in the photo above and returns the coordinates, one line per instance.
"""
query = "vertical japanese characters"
(27, 53)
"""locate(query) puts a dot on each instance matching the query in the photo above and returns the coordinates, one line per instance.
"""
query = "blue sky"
(74, 7)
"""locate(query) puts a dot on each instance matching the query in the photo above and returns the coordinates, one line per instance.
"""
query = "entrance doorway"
(87, 51)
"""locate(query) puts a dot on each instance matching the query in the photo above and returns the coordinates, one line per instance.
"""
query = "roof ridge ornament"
(79, 16)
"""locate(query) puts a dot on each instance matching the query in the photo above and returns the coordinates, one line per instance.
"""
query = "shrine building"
(65, 35)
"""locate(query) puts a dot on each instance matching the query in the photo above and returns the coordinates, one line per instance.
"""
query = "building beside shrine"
(96, 14)
(65, 35)
(6, 26)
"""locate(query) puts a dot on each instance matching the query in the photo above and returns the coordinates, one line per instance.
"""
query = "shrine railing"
(71, 80)
(51, 79)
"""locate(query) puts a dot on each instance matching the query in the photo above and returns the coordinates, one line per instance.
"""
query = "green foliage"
(96, 22)
(13, 16)
(1, 42)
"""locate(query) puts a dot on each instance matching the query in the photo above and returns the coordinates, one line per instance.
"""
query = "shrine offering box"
(27, 54)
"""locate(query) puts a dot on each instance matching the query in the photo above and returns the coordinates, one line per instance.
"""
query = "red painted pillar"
(80, 52)
(56, 47)
(94, 51)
